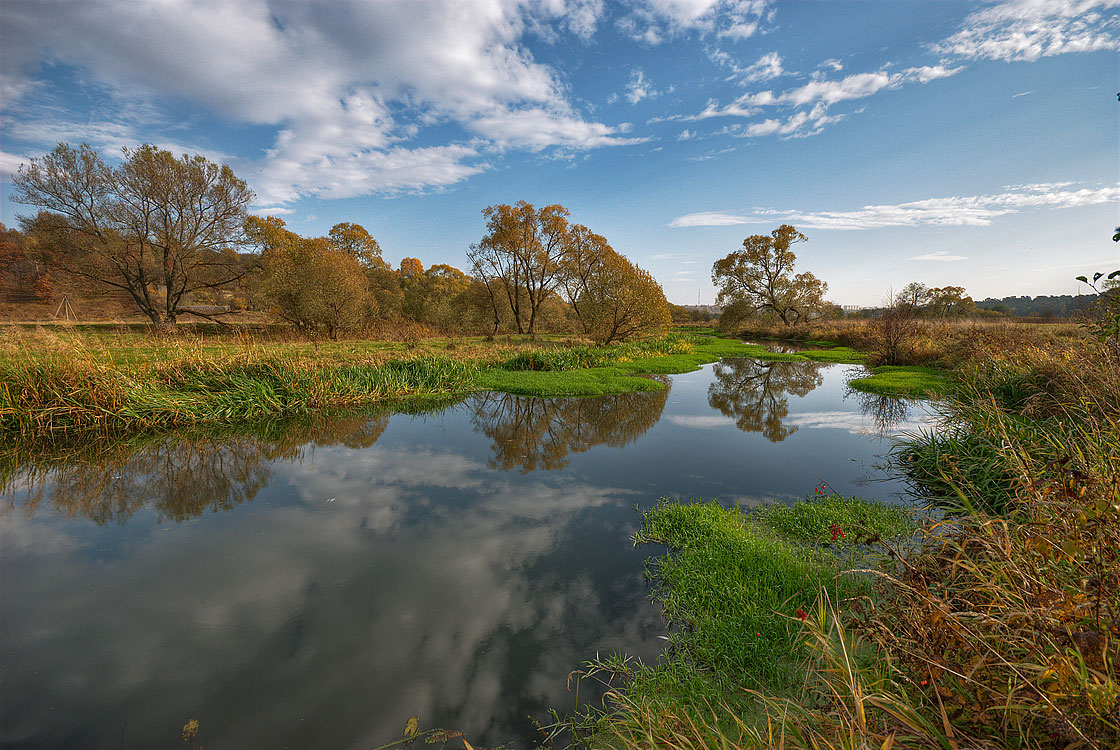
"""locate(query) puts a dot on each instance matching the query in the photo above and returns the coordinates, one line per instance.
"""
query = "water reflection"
(754, 393)
(455, 565)
(179, 475)
(888, 414)
(541, 433)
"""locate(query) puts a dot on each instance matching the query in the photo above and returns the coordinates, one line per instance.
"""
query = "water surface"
(314, 585)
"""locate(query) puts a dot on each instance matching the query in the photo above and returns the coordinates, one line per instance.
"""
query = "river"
(315, 584)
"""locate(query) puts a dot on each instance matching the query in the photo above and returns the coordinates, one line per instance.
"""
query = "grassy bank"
(735, 587)
(997, 626)
(60, 381)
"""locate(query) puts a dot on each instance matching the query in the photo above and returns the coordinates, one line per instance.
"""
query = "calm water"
(314, 587)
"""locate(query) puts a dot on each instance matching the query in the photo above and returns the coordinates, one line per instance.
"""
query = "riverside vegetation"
(992, 623)
(57, 381)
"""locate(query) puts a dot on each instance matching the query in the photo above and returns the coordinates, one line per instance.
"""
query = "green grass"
(811, 521)
(838, 355)
(731, 584)
(892, 380)
(584, 371)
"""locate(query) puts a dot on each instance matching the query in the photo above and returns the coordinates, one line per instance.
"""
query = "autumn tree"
(22, 277)
(158, 227)
(949, 301)
(308, 282)
(353, 239)
(620, 301)
(520, 257)
(760, 278)
(437, 296)
(583, 258)
(411, 267)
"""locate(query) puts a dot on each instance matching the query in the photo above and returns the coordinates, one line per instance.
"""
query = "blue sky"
(969, 143)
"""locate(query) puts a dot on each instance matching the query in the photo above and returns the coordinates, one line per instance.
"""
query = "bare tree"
(156, 226)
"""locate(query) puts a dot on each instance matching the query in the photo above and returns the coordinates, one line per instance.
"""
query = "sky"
(964, 143)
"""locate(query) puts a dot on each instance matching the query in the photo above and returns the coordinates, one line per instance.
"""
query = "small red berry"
(801, 615)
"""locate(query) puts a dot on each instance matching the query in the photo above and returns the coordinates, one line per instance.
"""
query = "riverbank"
(995, 626)
(62, 381)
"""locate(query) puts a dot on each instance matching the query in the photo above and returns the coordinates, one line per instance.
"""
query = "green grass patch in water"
(841, 355)
(597, 371)
(731, 584)
(891, 380)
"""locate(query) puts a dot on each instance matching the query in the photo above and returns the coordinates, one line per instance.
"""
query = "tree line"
(176, 236)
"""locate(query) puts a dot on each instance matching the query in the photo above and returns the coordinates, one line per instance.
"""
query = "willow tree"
(621, 301)
(760, 278)
(156, 226)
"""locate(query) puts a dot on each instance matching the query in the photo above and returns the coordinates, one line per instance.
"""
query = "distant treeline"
(1046, 306)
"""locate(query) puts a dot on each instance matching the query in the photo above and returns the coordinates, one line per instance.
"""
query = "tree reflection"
(179, 475)
(540, 433)
(754, 393)
(887, 412)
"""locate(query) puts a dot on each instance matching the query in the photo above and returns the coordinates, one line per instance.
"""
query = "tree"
(355, 240)
(584, 256)
(760, 278)
(411, 267)
(620, 301)
(520, 257)
(22, 278)
(950, 300)
(156, 226)
(309, 283)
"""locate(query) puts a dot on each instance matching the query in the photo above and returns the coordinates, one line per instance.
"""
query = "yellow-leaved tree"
(308, 282)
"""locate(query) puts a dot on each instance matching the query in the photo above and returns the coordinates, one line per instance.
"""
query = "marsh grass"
(55, 382)
(997, 626)
(731, 585)
(903, 380)
(60, 380)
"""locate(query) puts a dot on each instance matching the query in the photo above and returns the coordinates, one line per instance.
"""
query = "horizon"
(949, 143)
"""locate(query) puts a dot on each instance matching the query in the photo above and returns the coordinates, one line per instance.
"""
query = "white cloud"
(708, 219)
(686, 135)
(766, 67)
(540, 128)
(699, 422)
(10, 163)
(639, 87)
(811, 101)
(349, 84)
(273, 211)
(976, 210)
(654, 21)
(941, 256)
(1032, 29)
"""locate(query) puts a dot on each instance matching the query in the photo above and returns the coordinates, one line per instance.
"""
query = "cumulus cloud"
(975, 210)
(348, 85)
(1032, 29)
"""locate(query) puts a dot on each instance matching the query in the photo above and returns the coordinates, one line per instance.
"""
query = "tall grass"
(65, 383)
